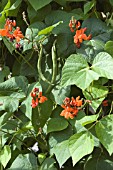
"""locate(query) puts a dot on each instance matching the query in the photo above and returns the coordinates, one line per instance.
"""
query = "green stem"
(39, 65)
(54, 74)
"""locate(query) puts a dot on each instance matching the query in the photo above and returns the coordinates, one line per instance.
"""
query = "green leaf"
(88, 6)
(88, 119)
(77, 71)
(60, 94)
(96, 93)
(60, 136)
(103, 65)
(10, 104)
(15, 5)
(100, 32)
(80, 145)
(48, 164)
(111, 2)
(17, 83)
(2, 17)
(104, 131)
(24, 162)
(13, 10)
(108, 47)
(61, 152)
(41, 114)
(49, 29)
(5, 117)
(37, 5)
(56, 124)
(5, 155)
(98, 163)
(8, 44)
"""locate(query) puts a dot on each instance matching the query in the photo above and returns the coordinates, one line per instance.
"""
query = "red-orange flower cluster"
(71, 107)
(8, 31)
(80, 35)
(37, 97)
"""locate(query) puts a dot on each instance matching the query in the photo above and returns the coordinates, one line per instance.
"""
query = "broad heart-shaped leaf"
(108, 47)
(77, 71)
(56, 124)
(5, 155)
(40, 4)
(104, 131)
(80, 145)
(24, 162)
(41, 114)
(103, 65)
(61, 152)
(96, 93)
(49, 29)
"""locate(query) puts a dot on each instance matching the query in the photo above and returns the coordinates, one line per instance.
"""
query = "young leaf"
(5, 155)
(80, 144)
(49, 29)
(56, 124)
(61, 152)
(104, 131)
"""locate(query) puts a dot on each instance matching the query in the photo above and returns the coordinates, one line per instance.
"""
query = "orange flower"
(80, 36)
(37, 97)
(7, 31)
(7, 28)
(17, 34)
(34, 103)
(71, 107)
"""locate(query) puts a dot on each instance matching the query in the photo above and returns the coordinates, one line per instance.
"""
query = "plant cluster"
(56, 84)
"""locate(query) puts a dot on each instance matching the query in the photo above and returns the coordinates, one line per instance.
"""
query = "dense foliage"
(56, 90)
